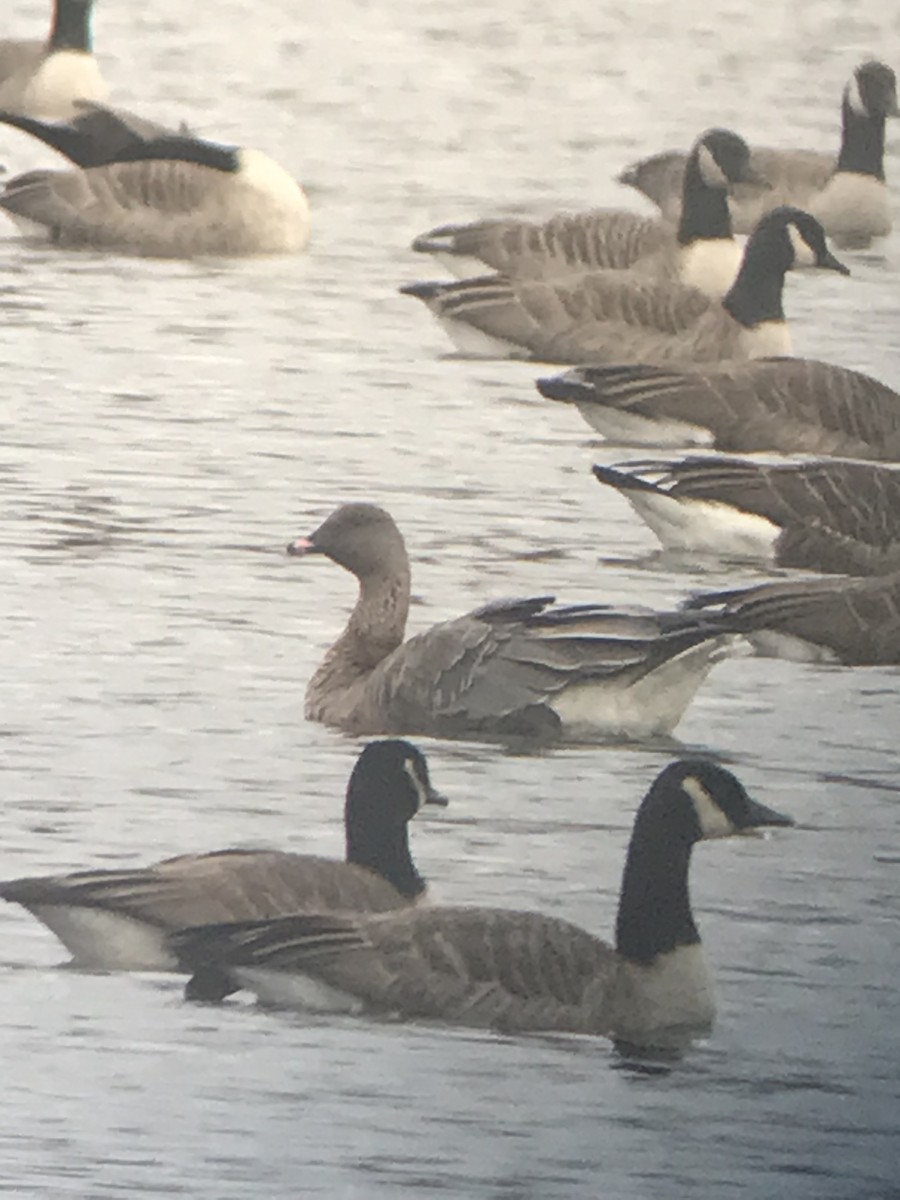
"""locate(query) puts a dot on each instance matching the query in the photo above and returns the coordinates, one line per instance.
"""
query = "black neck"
(379, 840)
(72, 26)
(182, 149)
(654, 906)
(862, 142)
(756, 294)
(704, 209)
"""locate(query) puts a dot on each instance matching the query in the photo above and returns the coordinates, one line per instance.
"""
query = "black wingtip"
(421, 291)
(561, 387)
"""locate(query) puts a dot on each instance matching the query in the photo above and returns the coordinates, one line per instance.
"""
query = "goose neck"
(71, 26)
(862, 143)
(704, 209)
(380, 844)
(654, 905)
(756, 294)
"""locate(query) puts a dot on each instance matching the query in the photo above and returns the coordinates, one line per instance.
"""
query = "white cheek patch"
(418, 785)
(804, 255)
(713, 822)
(710, 171)
(854, 99)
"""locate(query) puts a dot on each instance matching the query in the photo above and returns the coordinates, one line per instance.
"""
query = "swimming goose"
(855, 622)
(831, 515)
(169, 197)
(516, 971)
(700, 251)
(117, 920)
(44, 79)
(848, 195)
(780, 405)
(610, 316)
(95, 135)
(514, 667)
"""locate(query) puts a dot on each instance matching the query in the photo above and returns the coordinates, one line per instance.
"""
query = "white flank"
(472, 343)
(105, 941)
(652, 705)
(290, 989)
(628, 429)
(460, 265)
(62, 78)
(710, 265)
(710, 527)
(769, 643)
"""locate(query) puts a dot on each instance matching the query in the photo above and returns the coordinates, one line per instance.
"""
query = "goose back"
(855, 622)
(520, 667)
(781, 405)
(165, 207)
(515, 970)
(836, 516)
(117, 919)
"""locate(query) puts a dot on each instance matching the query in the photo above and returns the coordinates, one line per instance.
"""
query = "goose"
(523, 667)
(118, 920)
(828, 515)
(169, 197)
(45, 79)
(779, 405)
(854, 622)
(700, 250)
(95, 135)
(513, 970)
(605, 316)
(848, 195)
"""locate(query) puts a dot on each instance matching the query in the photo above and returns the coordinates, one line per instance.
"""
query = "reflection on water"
(167, 427)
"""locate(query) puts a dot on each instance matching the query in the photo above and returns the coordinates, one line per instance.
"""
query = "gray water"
(167, 427)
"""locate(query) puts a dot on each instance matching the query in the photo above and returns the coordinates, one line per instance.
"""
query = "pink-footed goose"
(512, 970)
(514, 667)
(118, 919)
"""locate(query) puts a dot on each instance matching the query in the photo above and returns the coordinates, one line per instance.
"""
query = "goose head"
(391, 780)
(872, 91)
(723, 159)
(361, 538)
(697, 800)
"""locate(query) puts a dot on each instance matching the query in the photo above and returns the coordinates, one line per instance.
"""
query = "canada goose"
(780, 405)
(609, 316)
(855, 622)
(700, 251)
(117, 920)
(95, 135)
(517, 971)
(848, 195)
(514, 667)
(831, 515)
(44, 79)
(168, 197)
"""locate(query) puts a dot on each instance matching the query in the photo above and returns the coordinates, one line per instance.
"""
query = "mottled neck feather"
(756, 294)
(383, 847)
(71, 26)
(704, 209)
(862, 143)
(376, 627)
(654, 906)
